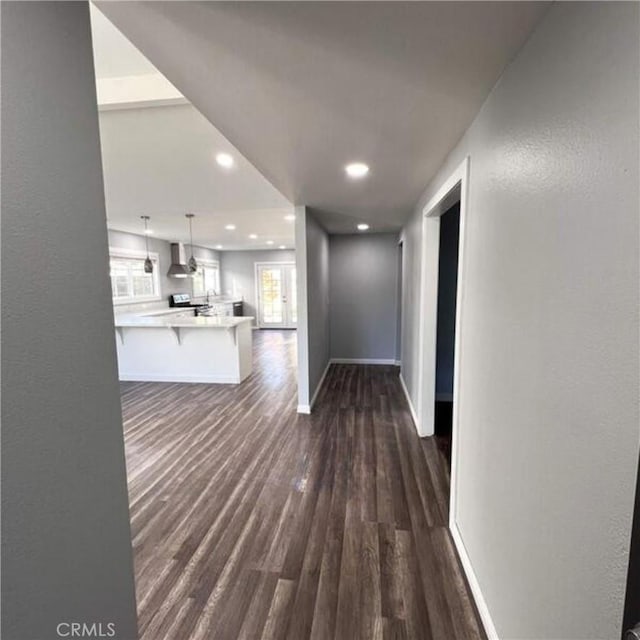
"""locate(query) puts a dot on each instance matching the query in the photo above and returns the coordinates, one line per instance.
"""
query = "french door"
(277, 301)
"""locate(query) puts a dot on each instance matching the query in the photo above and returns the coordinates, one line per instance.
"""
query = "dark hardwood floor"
(250, 521)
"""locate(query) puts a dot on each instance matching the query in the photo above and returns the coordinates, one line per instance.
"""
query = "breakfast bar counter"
(172, 348)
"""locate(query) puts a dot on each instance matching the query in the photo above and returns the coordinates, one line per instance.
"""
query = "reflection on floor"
(250, 521)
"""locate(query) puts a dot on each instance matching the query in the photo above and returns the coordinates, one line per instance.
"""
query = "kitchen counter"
(159, 319)
(167, 311)
(165, 345)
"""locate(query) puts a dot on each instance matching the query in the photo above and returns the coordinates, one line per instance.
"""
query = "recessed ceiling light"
(218, 246)
(269, 241)
(363, 227)
(230, 227)
(253, 236)
(357, 170)
(290, 217)
(225, 160)
(148, 231)
(282, 247)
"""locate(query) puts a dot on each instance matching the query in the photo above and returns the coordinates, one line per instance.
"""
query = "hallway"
(251, 521)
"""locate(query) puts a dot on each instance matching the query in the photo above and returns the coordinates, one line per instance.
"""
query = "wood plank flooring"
(252, 522)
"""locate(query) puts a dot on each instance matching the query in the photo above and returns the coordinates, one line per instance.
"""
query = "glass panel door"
(271, 296)
(293, 295)
(277, 296)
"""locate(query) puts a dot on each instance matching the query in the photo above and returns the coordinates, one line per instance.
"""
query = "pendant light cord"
(191, 233)
(193, 265)
(148, 265)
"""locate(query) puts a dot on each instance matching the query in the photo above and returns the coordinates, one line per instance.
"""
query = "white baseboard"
(306, 408)
(317, 391)
(362, 361)
(481, 604)
(414, 415)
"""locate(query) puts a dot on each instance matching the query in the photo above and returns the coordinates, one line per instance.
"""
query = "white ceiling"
(113, 55)
(209, 231)
(160, 161)
(302, 88)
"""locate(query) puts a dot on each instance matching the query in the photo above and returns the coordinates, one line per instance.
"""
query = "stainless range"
(180, 300)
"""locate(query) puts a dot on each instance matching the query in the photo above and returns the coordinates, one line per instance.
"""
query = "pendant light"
(148, 265)
(192, 264)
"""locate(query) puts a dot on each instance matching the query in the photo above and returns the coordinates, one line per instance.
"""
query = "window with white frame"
(129, 282)
(207, 278)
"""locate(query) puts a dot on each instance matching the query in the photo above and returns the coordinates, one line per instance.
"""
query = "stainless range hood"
(178, 268)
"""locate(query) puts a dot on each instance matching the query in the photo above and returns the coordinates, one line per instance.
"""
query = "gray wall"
(66, 545)
(238, 274)
(363, 279)
(132, 241)
(312, 264)
(548, 433)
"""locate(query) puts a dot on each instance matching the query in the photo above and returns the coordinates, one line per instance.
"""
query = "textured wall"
(363, 295)
(312, 264)
(548, 442)
(318, 300)
(66, 545)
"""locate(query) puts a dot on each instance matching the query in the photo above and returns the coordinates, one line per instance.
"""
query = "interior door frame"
(454, 188)
(256, 267)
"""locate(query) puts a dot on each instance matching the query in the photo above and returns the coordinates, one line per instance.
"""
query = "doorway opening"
(276, 295)
(446, 327)
(440, 349)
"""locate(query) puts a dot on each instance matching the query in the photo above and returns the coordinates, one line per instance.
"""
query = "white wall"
(363, 280)
(312, 265)
(238, 274)
(548, 398)
(66, 545)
